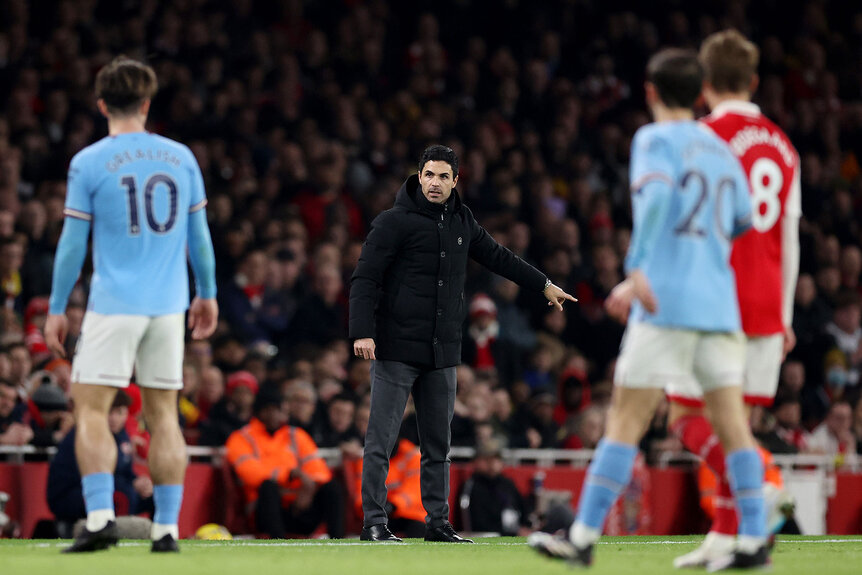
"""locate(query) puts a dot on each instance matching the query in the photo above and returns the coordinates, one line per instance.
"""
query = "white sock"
(160, 530)
(749, 544)
(98, 519)
(582, 535)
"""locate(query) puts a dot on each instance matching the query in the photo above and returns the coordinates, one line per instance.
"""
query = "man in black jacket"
(406, 312)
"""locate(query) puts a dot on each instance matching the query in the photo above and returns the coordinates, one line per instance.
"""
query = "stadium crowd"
(306, 117)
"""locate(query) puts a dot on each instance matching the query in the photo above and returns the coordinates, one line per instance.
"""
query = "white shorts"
(653, 356)
(762, 369)
(111, 346)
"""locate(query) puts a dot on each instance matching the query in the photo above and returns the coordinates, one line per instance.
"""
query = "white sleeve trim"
(198, 206)
(78, 214)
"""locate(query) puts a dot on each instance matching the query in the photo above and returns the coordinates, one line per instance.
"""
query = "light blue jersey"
(139, 192)
(689, 200)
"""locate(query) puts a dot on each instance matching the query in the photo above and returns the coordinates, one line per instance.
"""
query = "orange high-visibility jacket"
(257, 456)
(707, 484)
(402, 483)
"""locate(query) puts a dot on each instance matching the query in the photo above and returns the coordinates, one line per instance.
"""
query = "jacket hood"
(411, 198)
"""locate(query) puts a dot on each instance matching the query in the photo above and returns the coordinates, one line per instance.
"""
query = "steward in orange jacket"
(403, 489)
(284, 480)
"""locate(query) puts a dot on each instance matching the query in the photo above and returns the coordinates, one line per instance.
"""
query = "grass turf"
(638, 555)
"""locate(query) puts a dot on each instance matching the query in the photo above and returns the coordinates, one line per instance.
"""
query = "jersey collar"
(736, 107)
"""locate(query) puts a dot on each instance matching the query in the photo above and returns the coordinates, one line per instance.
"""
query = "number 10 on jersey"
(163, 227)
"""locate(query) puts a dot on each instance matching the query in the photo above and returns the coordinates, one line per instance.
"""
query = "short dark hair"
(677, 76)
(124, 84)
(438, 153)
(729, 61)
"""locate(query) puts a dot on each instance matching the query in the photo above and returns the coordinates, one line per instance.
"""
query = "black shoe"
(89, 541)
(445, 534)
(560, 548)
(166, 544)
(379, 532)
(739, 560)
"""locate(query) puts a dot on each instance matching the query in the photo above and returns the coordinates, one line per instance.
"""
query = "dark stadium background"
(307, 116)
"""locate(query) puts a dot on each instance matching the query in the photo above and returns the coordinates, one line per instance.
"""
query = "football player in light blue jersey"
(689, 200)
(143, 196)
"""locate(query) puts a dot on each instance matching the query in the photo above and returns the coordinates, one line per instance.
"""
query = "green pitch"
(636, 555)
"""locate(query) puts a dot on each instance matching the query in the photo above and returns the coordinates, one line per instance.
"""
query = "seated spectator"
(338, 427)
(20, 367)
(302, 406)
(132, 494)
(321, 317)
(574, 391)
(403, 494)
(242, 301)
(788, 435)
(49, 415)
(286, 483)
(536, 427)
(846, 336)
(589, 426)
(34, 323)
(211, 390)
(483, 349)
(12, 429)
(834, 436)
(489, 501)
(233, 411)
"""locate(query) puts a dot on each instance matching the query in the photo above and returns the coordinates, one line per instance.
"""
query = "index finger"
(569, 297)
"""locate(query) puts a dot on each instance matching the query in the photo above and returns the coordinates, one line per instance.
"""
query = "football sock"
(698, 437)
(745, 471)
(98, 491)
(167, 499)
(608, 475)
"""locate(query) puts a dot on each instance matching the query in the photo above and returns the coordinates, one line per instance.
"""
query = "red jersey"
(766, 259)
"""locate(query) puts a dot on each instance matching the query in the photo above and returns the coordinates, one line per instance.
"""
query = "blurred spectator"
(489, 501)
(49, 415)
(233, 410)
(302, 407)
(339, 423)
(211, 390)
(835, 436)
(11, 259)
(284, 480)
(847, 338)
(132, 493)
(20, 366)
(589, 426)
(34, 322)
(514, 321)
(12, 429)
(321, 317)
(788, 436)
(483, 349)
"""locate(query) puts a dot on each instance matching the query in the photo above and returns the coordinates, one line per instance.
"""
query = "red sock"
(726, 521)
(697, 436)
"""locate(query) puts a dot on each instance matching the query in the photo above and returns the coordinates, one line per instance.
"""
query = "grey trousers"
(434, 397)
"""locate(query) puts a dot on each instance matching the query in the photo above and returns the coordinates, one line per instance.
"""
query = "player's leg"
(719, 366)
(102, 363)
(650, 357)
(687, 420)
(159, 372)
(95, 451)
(763, 358)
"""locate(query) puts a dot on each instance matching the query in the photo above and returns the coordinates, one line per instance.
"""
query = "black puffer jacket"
(408, 289)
